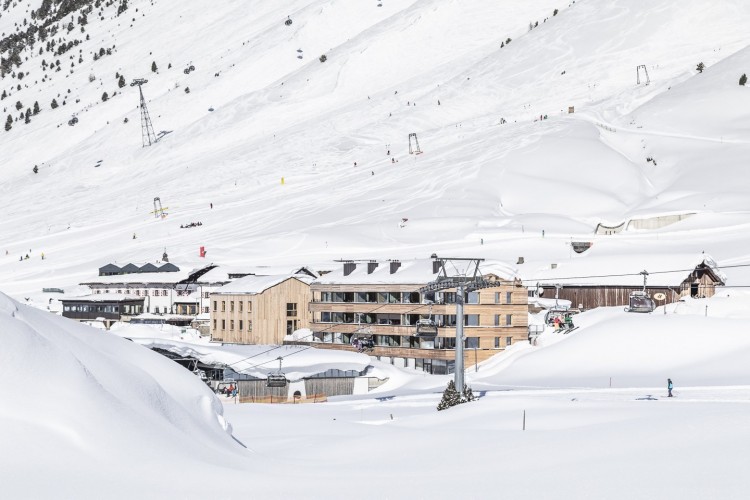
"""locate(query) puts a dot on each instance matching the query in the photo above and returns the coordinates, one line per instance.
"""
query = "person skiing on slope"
(669, 387)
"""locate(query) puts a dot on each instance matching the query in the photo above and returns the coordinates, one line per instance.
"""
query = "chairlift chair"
(277, 379)
(640, 302)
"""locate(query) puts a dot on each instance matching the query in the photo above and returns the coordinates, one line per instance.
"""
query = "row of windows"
(103, 308)
(408, 297)
(240, 325)
(291, 307)
(154, 293)
(415, 342)
(441, 320)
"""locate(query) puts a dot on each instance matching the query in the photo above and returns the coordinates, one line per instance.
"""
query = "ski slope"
(481, 187)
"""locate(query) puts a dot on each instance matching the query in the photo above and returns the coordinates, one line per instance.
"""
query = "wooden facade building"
(666, 282)
(260, 309)
(382, 301)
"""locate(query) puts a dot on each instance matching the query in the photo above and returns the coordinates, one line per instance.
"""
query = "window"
(214, 306)
(473, 298)
(231, 307)
(223, 324)
(508, 318)
(193, 309)
(98, 291)
(119, 291)
(508, 297)
(223, 305)
(231, 324)
(239, 306)
(240, 325)
(214, 324)
(497, 297)
(508, 341)
(325, 317)
(291, 309)
(205, 309)
(497, 320)
(205, 295)
(497, 342)
(138, 292)
(472, 342)
(145, 293)
(156, 309)
(164, 293)
(471, 320)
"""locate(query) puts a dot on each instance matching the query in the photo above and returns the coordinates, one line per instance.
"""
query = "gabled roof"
(130, 268)
(253, 285)
(148, 268)
(109, 268)
(102, 297)
(168, 268)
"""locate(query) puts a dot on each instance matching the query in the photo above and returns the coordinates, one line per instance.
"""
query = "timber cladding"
(260, 318)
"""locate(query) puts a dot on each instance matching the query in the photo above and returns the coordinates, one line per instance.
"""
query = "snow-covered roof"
(258, 284)
(619, 270)
(409, 272)
(101, 297)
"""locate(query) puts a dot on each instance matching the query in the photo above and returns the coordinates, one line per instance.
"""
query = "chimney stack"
(349, 267)
(371, 266)
(395, 264)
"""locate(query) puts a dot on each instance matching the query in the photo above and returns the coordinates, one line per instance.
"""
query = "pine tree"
(121, 82)
(700, 67)
(743, 79)
(153, 67)
(54, 104)
(451, 397)
(9, 123)
(468, 395)
(5, 94)
(27, 116)
(105, 96)
(36, 107)
(19, 105)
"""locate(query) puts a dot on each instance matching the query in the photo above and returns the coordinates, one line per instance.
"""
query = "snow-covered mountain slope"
(491, 179)
(79, 406)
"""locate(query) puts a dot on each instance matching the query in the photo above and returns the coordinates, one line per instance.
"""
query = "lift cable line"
(557, 278)
(147, 129)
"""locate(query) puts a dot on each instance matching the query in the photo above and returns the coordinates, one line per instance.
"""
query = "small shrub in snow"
(9, 123)
(743, 79)
(323, 58)
(92, 77)
(121, 82)
(555, 12)
(154, 69)
(105, 96)
(700, 67)
(54, 104)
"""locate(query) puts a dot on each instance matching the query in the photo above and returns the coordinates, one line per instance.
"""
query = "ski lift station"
(639, 283)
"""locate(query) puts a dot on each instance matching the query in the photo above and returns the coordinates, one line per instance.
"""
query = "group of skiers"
(26, 257)
(364, 344)
(230, 391)
(192, 224)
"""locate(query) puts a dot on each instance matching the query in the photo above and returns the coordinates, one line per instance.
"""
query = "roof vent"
(436, 264)
(395, 264)
(371, 266)
(349, 267)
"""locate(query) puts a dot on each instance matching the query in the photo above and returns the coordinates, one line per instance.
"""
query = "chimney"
(349, 267)
(436, 266)
(371, 267)
(394, 266)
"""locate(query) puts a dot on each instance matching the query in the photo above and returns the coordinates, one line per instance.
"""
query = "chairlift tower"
(147, 129)
(638, 74)
(468, 280)
(414, 149)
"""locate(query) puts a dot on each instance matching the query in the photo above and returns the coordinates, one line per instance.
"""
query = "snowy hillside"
(79, 405)
(443, 70)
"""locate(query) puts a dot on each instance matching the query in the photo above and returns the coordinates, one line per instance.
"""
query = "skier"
(211, 205)
(669, 387)
(133, 235)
